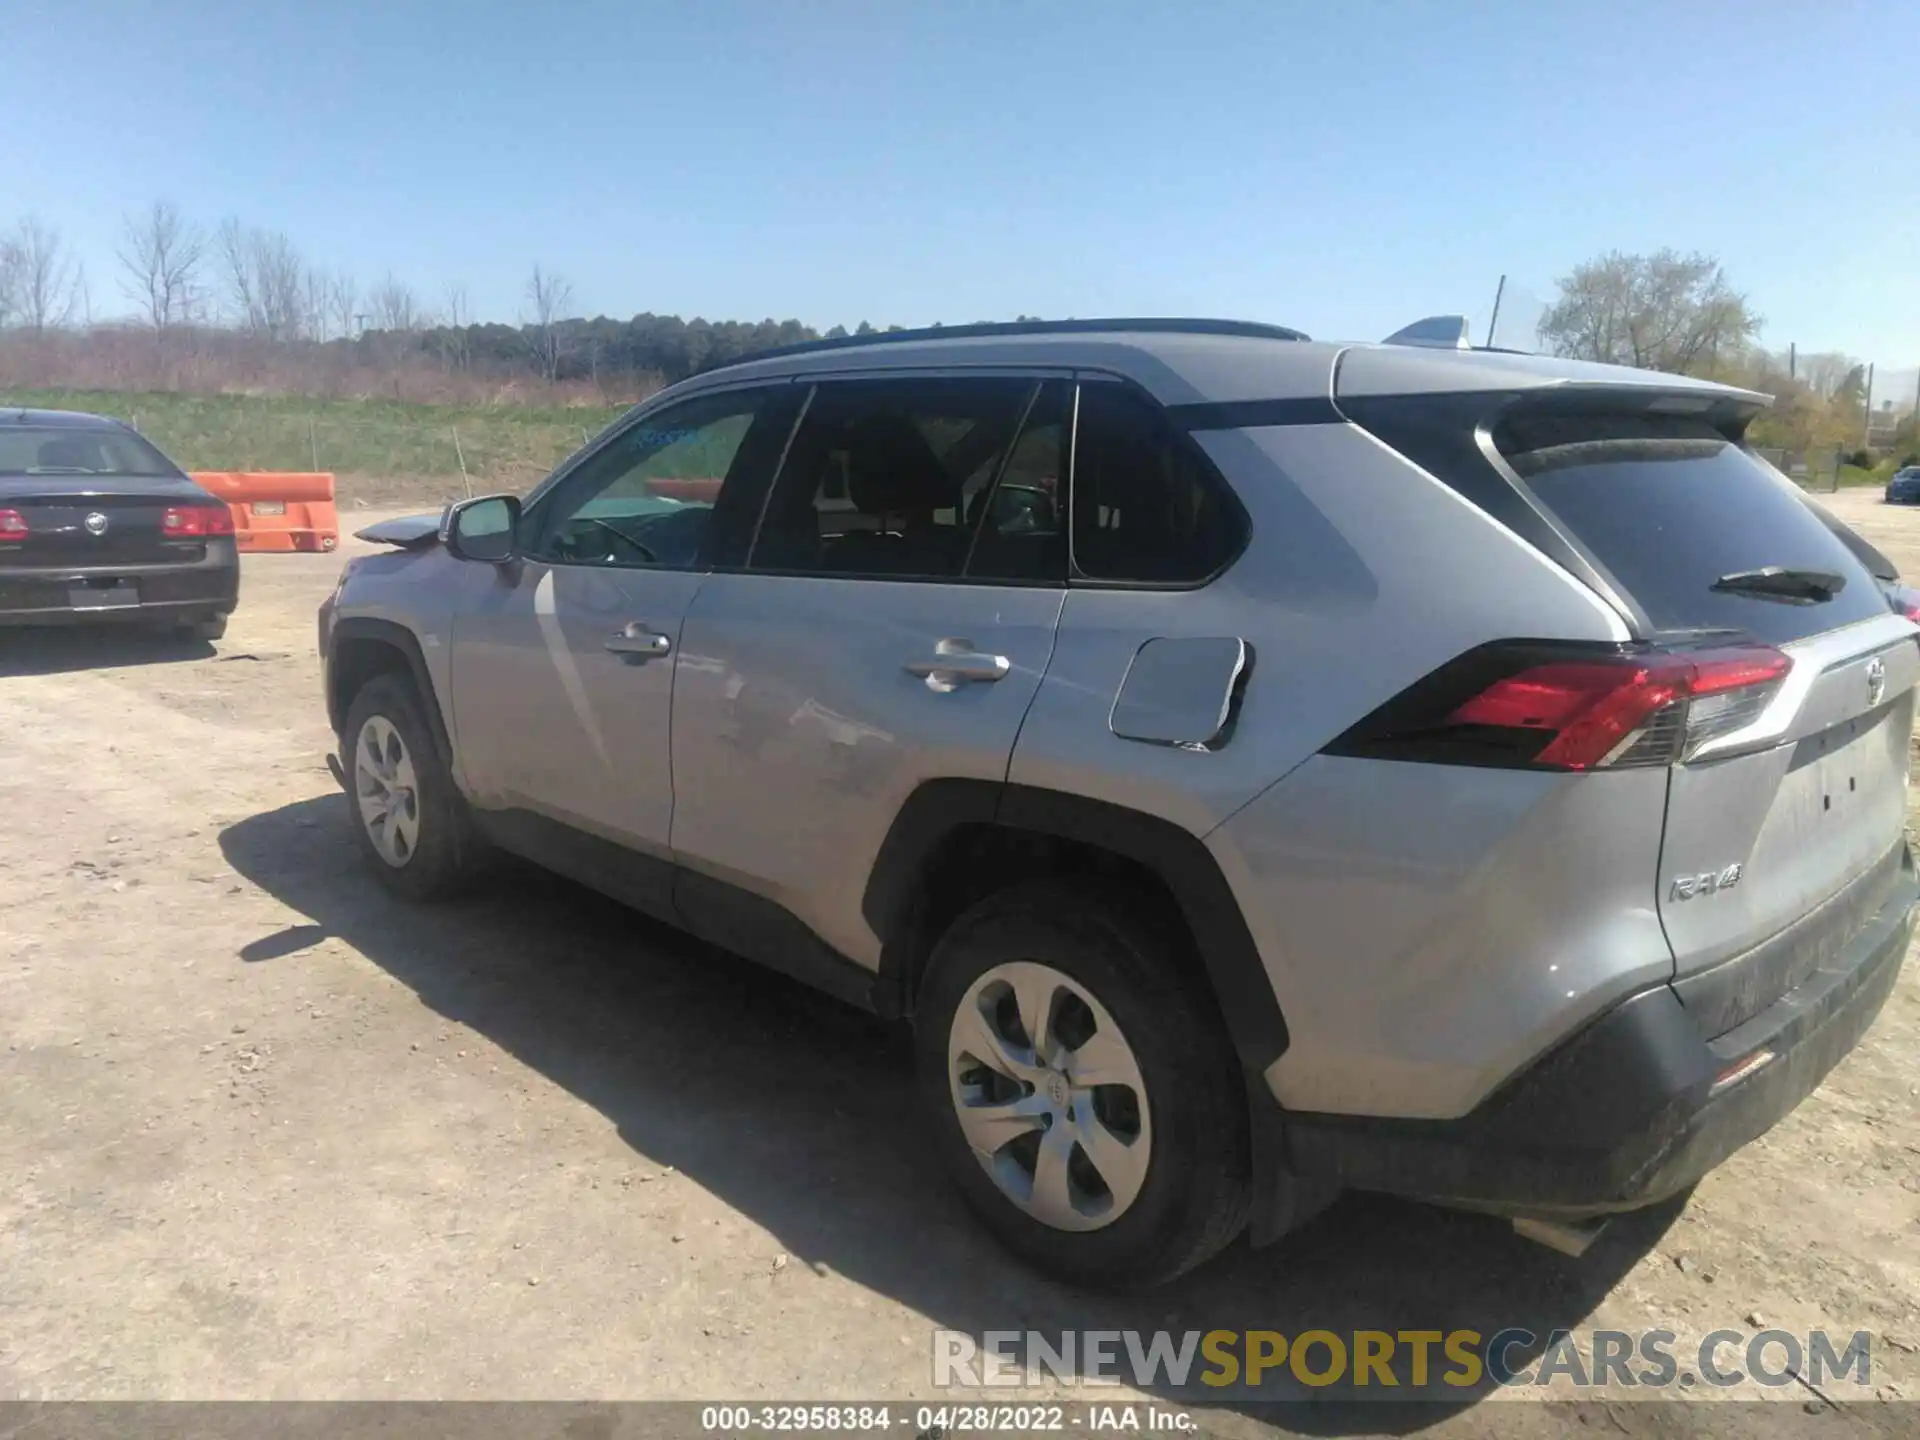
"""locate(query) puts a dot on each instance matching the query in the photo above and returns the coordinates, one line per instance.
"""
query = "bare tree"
(1664, 311)
(265, 279)
(455, 345)
(46, 281)
(161, 255)
(343, 304)
(282, 284)
(550, 295)
(393, 307)
(236, 274)
(12, 267)
(314, 304)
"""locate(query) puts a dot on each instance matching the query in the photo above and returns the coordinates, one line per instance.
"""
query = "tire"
(428, 848)
(1181, 1202)
(214, 627)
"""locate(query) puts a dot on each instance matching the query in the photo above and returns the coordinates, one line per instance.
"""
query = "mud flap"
(1283, 1200)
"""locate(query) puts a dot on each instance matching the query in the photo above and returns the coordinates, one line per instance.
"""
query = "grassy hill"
(383, 452)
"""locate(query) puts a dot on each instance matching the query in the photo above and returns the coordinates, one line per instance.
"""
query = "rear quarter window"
(1668, 506)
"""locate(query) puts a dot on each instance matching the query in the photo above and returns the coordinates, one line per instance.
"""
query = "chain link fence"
(1814, 470)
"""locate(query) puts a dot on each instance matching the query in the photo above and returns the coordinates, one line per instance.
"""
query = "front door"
(892, 625)
(563, 667)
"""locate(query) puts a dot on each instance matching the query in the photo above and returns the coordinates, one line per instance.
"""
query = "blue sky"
(1342, 167)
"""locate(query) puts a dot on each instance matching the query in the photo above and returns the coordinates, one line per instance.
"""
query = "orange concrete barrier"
(277, 510)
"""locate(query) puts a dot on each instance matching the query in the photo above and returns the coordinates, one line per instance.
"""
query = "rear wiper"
(1776, 582)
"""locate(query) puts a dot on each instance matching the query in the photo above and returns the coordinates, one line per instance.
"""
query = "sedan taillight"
(189, 522)
(13, 526)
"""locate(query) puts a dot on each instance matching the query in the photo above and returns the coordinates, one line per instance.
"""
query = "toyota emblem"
(1876, 680)
(96, 523)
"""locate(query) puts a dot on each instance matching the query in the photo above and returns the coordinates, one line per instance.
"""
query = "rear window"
(47, 450)
(1669, 506)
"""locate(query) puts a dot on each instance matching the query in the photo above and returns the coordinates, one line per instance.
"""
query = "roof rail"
(1436, 332)
(1153, 326)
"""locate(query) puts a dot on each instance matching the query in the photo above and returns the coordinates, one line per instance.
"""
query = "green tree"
(1663, 311)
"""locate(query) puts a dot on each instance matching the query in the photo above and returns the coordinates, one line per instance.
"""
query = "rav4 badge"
(1685, 887)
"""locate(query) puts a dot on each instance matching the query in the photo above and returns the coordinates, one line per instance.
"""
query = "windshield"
(45, 450)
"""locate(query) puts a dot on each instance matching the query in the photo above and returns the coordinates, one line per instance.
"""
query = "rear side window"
(1147, 509)
(896, 479)
(44, 450)
(1672, 508)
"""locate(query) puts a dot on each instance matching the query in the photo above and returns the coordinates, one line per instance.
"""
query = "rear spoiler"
(407, 532)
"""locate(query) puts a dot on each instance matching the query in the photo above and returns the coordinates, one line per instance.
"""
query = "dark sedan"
(98, 525)
(1904, 487)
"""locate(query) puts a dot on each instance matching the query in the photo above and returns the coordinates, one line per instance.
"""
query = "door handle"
(636, 644)
(955, 663)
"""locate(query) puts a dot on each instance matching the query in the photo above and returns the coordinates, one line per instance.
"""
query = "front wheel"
(1085, 1093)
(409, 818)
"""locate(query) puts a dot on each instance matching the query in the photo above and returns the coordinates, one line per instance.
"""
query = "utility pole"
(1793, 361)
(1866, 422)
(1493, 324)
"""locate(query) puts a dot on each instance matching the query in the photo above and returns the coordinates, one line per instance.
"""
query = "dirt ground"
(265, 1133)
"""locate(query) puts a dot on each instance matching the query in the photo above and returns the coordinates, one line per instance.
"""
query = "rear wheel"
(1085, 1095)
(410, 819)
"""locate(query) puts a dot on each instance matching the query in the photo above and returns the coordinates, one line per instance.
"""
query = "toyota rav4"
(1256, 768)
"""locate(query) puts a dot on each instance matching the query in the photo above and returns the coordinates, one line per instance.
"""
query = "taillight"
(13, 526)
(185, 522)
(1905, 600)
(1553, 707)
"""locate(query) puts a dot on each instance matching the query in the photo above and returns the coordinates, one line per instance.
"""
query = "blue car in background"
(1904, 487)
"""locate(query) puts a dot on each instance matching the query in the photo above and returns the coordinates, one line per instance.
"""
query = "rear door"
(892, 625)
(1799, 795)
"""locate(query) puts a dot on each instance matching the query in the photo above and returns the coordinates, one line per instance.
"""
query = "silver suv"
(1255, 767)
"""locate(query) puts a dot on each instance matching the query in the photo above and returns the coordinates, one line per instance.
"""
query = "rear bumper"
(165, 593)
(1636, 1106)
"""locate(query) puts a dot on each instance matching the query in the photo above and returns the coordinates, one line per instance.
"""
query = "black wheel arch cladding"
(938, 808)
(399, 638)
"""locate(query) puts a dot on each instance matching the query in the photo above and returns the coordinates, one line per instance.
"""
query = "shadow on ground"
(801, 1114)
(60, 649)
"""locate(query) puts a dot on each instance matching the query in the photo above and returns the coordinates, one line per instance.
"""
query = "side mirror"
(485, 529)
